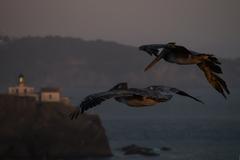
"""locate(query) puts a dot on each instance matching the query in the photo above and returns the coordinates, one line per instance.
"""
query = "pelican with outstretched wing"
(132, 97)
(173, 53)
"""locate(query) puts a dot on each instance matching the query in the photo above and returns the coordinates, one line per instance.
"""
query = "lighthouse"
(21, 80)
(45, 95)
(21, 89)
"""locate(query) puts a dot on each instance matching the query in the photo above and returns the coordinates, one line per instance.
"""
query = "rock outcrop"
(135, 149)
(31, 130)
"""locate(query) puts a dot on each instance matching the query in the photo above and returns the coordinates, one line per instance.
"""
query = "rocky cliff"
(31, 130)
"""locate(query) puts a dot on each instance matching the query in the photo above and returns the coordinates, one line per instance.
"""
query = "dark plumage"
(133, 97)
(173, 53)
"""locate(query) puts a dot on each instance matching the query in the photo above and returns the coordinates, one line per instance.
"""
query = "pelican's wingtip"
(145, 70)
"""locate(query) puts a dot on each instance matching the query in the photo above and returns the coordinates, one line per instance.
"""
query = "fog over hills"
(73, 62)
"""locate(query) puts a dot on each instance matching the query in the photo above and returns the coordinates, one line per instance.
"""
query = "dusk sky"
(211, 26)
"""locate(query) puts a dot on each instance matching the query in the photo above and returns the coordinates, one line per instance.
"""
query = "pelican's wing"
(164, 90)
(182, 93)
(96, 99)
(217, 83)
(92, 101)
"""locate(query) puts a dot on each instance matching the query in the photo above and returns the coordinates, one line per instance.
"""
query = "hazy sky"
(204, 25)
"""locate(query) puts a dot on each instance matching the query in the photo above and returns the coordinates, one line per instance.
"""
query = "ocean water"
(198, 139)
(192, 130)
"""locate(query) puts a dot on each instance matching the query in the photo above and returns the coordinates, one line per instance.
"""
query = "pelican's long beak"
(152, 63)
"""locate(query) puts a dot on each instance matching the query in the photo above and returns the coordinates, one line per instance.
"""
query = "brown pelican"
(173, 53)
(132, 97)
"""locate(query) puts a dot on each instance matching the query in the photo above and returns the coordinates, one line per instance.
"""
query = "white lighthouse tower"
(22, 89)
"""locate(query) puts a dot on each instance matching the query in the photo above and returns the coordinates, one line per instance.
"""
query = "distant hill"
(73, 62)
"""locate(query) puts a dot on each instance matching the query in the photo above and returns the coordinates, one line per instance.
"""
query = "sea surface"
(189, 139)
(193, 131)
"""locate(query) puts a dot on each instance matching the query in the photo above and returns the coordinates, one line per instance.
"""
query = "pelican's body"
(133, 97)
(174, 54)
(180, 55)
(181, 58)
(142, 97)
(138, 101)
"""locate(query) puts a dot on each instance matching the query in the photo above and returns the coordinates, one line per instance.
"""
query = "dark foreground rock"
(166, 149)
(31, 131)
(134, 149)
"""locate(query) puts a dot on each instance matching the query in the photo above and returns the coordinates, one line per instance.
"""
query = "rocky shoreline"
(32, 130)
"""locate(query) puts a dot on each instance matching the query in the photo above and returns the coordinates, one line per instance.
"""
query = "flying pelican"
(132, 97)
(173, 53)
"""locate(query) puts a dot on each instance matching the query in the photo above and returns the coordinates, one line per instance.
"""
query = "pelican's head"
(171, 44)
(152, 88)
(120, 86)
(155, 88)
(150, 49)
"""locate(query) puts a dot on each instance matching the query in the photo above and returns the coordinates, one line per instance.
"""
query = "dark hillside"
(28, 130)
(73, 62)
